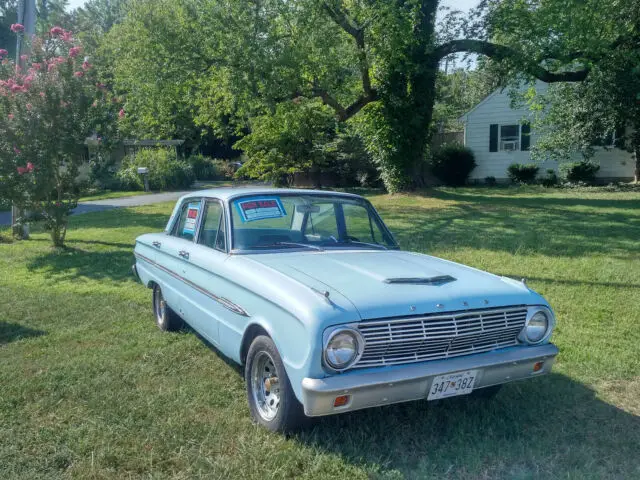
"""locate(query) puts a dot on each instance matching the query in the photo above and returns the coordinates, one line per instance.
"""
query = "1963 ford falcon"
(310, 292)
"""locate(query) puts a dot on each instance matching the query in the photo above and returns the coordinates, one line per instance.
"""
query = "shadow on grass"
(71, 263)
(515, 198)
(513, 227)
(10, 332)
(549, 427)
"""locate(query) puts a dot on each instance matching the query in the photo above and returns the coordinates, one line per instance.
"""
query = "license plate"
(452, 384)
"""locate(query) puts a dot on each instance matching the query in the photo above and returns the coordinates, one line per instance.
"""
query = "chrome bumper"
(412, 382)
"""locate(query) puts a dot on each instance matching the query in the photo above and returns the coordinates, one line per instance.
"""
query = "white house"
(500, 135)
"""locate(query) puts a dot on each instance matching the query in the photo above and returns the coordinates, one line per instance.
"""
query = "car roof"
(229, 193)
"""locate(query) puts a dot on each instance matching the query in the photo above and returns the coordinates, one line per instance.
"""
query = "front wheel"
(271, 399)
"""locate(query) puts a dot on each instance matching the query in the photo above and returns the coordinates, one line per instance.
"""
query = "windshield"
(316, 222)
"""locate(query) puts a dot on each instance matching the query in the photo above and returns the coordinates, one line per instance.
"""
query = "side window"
(187, 222)
(212, 233)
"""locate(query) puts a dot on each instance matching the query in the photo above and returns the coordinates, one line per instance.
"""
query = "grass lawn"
(90, 388)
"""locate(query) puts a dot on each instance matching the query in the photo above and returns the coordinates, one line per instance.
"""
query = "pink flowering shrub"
(49, 105)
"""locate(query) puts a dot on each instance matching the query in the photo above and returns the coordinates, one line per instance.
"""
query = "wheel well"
(151, 284)
(252, 332)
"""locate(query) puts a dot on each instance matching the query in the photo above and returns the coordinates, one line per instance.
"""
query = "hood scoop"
(437, 280)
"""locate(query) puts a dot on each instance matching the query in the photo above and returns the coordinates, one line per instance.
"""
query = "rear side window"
(212, 233)
(187, 222)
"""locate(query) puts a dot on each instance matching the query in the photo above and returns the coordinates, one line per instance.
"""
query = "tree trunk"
(636, 172)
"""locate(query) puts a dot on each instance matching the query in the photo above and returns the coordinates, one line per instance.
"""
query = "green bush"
(520, 173)
(490, 181)
(583, 171)
(165, 171)
(206, 168)
(453, 164)
(550, 179)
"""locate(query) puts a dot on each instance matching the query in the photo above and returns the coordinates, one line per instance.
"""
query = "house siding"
(615, 164)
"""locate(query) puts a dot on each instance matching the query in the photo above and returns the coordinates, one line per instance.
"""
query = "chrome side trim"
(226, 303)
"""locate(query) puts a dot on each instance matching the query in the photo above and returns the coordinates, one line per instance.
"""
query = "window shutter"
(493, 137)
(525, 141)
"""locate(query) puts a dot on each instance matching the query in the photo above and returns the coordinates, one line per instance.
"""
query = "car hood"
(395, 283)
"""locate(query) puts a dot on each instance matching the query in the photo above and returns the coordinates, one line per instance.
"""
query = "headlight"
(343, 347)
(538, 326)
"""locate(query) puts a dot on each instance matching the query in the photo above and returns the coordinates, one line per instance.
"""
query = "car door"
(173, 255)
(206, 305)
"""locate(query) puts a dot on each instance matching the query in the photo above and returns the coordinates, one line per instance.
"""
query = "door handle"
(184, 254)
(156, 244)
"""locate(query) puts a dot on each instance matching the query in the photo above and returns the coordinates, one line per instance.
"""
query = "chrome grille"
(433, 337)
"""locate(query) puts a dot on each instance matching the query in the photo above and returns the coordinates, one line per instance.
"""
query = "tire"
(486, 393)
(271, 399)
(166, 319)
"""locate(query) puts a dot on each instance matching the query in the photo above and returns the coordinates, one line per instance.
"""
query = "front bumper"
(412, 382)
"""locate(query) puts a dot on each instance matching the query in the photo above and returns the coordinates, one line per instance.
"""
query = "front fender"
(297, 344)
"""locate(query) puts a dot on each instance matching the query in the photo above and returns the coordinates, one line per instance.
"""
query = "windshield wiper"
(290, 244)
(363, 244)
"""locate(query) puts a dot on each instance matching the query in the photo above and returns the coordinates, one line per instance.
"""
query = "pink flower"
(3, 52)
(15, 88)
(16, 150)
(17, 28)
(86, 65)
(60, 59)
(121, 113)
(29, 167)
(55, 31)
(67, 36)
(10, 116)
(36, 66)
(24, 57)
(74, 51)
(28, 80)
(29, 106)
(42, 94)
(51, 67)
(95, 103)
(79, 74)
(22, 170)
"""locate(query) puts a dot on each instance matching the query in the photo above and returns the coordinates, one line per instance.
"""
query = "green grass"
(90, 388)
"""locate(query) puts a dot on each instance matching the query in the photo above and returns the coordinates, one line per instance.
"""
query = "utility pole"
(26, 17)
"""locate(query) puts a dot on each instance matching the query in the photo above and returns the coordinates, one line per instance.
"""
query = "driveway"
(123, 202)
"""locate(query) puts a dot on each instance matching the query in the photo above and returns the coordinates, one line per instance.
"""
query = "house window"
(509, 138)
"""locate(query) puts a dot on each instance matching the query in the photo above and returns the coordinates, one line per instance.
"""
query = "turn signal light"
(538, 366)
(341, 401)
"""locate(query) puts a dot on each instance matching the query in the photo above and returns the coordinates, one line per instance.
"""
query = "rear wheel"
(271, 399)
(166, 319)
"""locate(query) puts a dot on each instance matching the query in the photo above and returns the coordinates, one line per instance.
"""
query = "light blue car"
(311, 293)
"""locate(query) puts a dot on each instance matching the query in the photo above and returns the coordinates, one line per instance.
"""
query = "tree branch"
(342, 19)
(501, 52)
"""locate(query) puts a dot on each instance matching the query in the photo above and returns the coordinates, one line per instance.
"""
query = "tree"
(606, 106)
(293, 139)
(374, 62)
(49, 105)
(8, 17)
